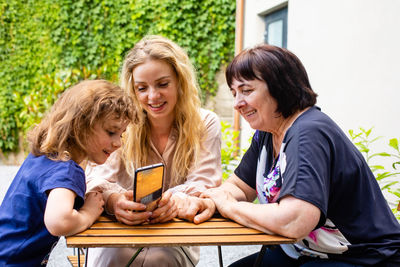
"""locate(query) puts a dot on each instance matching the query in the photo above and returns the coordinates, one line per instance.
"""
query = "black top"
(319, 164)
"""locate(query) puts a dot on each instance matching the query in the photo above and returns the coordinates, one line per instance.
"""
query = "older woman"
(311, 181)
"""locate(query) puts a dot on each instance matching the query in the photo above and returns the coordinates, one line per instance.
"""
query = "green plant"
(394, 143)
(45, 46)
(363, 141)
(229, 155)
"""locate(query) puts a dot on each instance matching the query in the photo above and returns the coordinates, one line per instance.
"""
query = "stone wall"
(222, 103)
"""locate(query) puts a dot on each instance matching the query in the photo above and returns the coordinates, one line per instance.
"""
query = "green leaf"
(383, 175)
(382, 154)
(394, 164)
(394, 143)
(387, 186)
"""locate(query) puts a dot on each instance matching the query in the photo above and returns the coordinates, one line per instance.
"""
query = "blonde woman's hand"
(166, 209)
(126, 210)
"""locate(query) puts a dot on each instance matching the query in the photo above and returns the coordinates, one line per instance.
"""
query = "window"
(276, 28)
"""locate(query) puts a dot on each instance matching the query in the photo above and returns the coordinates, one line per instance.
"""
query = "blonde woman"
(170, 128)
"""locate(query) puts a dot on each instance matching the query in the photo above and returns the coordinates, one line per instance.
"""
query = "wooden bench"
(73, 259)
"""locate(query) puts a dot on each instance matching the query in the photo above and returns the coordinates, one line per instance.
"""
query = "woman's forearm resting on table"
(290, 217)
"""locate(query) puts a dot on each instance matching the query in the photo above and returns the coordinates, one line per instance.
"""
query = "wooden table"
(107, 232)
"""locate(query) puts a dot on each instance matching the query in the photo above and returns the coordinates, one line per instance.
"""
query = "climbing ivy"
(46, 46)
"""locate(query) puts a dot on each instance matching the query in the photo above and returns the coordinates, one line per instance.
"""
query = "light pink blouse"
(112, 177)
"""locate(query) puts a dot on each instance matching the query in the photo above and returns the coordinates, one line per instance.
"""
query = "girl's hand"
(126, 210)
(223, 200)
(166, 209)
(194, 209)
(93, 206)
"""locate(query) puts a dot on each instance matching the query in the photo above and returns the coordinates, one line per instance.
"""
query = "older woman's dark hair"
(281, 70)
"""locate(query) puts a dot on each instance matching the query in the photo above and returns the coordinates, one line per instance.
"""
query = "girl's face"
(255, 104)
(105, 139)
(156, 88)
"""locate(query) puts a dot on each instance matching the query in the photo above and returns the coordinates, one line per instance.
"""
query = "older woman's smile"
(249, 113)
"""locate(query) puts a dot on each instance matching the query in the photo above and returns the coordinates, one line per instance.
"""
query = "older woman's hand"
(126, 210)
(166, 209)
(194, 209)
(223, 200)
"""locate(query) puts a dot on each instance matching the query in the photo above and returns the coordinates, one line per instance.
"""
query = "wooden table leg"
(260, 256)
(220, 257)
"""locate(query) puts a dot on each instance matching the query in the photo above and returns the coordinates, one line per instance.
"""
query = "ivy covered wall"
(46, 46)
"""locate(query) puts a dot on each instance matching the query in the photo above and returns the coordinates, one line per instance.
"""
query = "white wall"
(351, 51)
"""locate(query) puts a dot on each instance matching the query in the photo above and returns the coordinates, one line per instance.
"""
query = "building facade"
(350, 49)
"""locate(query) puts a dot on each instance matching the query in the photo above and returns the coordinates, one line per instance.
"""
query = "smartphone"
(148, 185)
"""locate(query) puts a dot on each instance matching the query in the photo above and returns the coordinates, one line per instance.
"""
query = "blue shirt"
(24, 239)
(319, 164)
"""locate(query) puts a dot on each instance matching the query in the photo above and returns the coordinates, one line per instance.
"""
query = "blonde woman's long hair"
(188, 121)
(66, 128)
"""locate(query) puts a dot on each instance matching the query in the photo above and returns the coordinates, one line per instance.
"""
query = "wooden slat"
(124, 241)
(167, 232)
(73, 259)
(176, 225)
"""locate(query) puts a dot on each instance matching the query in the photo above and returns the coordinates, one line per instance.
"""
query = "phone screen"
(148, 183)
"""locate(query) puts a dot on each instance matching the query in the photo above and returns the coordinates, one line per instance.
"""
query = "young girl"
(47, 196)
